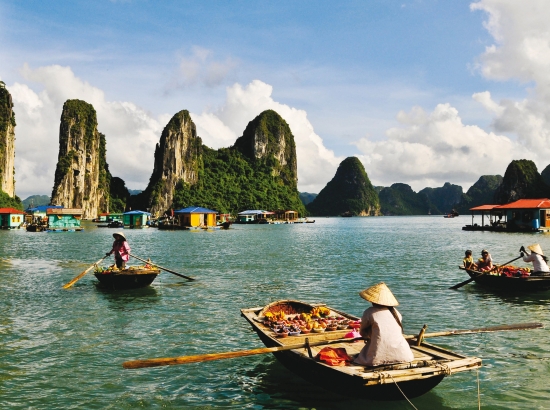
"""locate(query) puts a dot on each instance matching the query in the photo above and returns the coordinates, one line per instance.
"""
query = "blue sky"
(390, 82)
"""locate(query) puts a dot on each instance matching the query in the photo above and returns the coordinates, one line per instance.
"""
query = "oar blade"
(77, 278)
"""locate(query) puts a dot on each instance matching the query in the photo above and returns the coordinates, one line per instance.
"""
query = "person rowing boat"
(537, 258)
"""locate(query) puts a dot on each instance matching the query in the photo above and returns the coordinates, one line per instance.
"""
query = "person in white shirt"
(540, 267)
(382, 329)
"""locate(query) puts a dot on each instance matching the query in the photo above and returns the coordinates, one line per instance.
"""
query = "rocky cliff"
(7, 142)
(521, 180)
(268, 138)
(442, 200)
(349, 191)
(81, 175)
(400, 199)
(177, 161)
(481, 193)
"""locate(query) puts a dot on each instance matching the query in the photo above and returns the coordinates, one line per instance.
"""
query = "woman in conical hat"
(540, 267)
(121, 249)
(382, 329)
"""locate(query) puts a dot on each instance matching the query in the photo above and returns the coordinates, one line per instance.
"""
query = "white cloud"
(431, 148)
(201, 68)
(521, 52)
(316, 164)
(130, 131)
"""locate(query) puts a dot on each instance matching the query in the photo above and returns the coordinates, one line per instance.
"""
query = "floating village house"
(64, 219)
(524, 215)
(38, 213)
(286, 215)
(195, 217)
(252, 216)
(11, 218)
(136, 219)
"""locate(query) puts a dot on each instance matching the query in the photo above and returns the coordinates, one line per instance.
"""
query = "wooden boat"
(130, 278)
(431, 363)
(498, 280)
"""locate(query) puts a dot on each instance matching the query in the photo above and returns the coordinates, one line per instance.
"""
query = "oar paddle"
(168, 361)
(160, 267)
(77, 278)
(459, 285)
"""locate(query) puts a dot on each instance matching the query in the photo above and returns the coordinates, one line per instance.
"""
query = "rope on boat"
(443, 366)
(406, 398)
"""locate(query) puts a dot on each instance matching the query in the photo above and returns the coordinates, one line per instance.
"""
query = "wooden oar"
(77, 278)
(168, 361)
(459, 285)
(160, 267)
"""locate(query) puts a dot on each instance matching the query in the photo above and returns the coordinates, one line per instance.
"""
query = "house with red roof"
(523, 215)
(11, 218)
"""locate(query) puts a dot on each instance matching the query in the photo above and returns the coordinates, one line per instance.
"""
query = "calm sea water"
(64, 348)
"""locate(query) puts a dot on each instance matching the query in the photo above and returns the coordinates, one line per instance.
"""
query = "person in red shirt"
(121, 249)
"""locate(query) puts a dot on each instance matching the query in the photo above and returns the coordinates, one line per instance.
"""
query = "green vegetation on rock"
(442, 200)
(481, 193)
(7, 201)
(350, 191)
(36, 200)
(400, 199)
(306, 197)
(521, 180)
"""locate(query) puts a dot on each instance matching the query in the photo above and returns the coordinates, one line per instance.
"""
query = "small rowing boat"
(511, 278)
(387, 382)
(130, 278)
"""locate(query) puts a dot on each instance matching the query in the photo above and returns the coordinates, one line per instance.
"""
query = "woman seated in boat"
(381, 327)
(121, 249)
(485, 262)
(540, 267)
(468, 260)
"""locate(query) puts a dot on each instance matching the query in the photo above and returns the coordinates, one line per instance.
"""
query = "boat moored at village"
(387, 382)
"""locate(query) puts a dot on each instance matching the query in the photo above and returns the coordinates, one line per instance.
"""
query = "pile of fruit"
(318, 320)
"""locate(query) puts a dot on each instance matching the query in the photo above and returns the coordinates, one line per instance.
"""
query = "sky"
(423, 92)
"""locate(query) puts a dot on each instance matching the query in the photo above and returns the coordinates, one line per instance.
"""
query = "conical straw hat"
(119, 234)
(379, 294)
(535, 248)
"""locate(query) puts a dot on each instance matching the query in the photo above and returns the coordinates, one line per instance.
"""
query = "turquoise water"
(64, 348)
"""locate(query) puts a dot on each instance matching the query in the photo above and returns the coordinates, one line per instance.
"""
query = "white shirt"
(386, 344)
(539, 265)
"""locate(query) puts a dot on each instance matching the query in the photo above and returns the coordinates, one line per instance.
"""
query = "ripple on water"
(64, 348)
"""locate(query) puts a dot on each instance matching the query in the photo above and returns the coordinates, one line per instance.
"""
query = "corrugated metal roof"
(527, 204)
(44, 208)
(11, 211)
(483, 207)
(137, 212)
(195, 210)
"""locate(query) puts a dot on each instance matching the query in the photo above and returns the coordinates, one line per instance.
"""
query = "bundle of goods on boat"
(317, 321)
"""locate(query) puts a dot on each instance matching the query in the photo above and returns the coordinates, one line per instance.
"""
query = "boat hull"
(513, 284)
(391, 382)
(126, 280)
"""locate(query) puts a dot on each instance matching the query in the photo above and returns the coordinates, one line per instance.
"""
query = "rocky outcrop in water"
(7, 142)
(177, 160)
(81, 176)
(442, 200)
(268, 138)
(350, 191)
(481, 193)
(521, 180)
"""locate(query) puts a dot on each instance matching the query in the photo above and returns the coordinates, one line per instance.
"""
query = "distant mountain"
(521, 180)
(349, 191)
(442, 200)
(400, 199)
(481, 193)
(135, 191)
(306, 197)
(36, 200)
